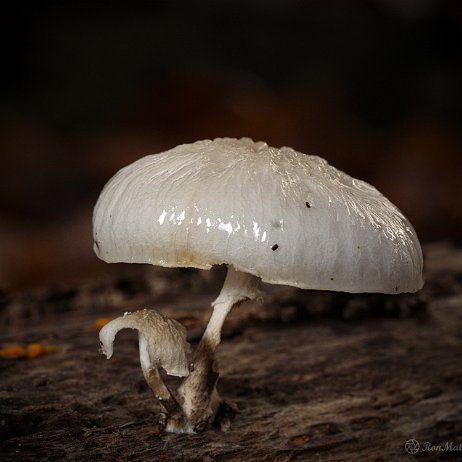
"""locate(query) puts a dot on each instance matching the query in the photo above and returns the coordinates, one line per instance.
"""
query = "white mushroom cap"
(162, 340)
(286, 217)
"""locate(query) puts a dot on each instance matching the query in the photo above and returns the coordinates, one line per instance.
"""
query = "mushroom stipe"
(224, 201)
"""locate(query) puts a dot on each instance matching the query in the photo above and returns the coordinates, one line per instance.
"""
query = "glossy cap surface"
(287, 217)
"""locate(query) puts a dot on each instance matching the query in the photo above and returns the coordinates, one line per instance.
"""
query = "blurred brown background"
(372, 86)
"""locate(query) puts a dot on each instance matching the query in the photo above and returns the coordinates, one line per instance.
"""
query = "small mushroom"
(162, 344)
(270, 214)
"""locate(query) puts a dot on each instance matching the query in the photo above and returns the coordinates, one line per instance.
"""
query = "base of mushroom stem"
(221, 420)
(224, 416)
(157, 423)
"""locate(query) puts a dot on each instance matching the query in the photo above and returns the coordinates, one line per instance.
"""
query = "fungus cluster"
(272, 215)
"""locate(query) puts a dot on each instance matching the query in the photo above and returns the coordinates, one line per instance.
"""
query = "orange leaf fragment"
(13, 352)
(101, 322)
(35, 350)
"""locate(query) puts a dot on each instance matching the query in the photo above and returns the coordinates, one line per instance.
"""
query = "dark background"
(85, 88)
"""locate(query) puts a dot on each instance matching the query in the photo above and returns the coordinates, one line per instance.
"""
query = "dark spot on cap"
(275, 247)
(97, 245)
(396, 288)
(331, 279)
(308, 205)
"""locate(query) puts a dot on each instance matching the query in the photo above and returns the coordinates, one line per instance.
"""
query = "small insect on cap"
(286, 217)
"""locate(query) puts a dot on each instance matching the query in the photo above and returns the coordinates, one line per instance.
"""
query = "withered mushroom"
(162, 344)
(270, 214)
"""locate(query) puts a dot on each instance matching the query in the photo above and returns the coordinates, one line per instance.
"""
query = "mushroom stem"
(201, 399)
(236, 288)
(156, 384)
(162, 393)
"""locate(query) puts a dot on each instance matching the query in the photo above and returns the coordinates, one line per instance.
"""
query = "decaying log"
(313, 376)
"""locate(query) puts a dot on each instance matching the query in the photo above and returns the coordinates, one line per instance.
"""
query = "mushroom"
(162, 343)
(270, 214)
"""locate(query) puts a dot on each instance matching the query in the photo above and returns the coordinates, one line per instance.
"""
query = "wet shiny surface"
(282, 215)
